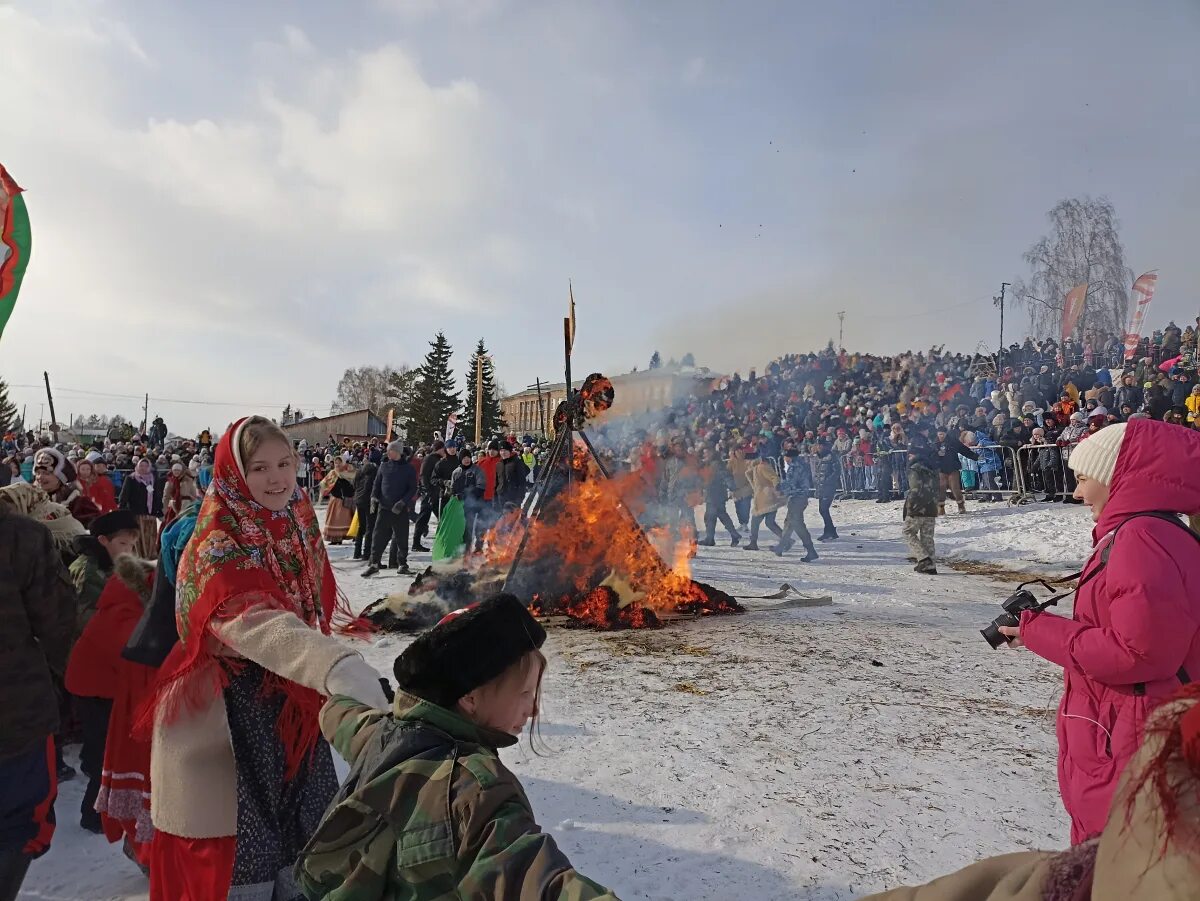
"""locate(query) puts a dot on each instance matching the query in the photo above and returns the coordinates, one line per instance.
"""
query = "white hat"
(1096, 456)
(94, 457)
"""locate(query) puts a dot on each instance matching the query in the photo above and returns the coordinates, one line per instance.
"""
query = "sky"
(232, 203)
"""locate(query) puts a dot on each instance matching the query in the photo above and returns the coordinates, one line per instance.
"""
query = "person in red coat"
(96, 487)
(108, 690)
(1135, 633)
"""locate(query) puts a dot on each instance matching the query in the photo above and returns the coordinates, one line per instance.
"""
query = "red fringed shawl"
(242, 557)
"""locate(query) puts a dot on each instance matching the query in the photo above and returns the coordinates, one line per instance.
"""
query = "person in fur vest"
(107, 689)
(1149, 849)
(1135, 633)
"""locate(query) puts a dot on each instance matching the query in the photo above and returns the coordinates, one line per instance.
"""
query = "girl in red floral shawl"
(240, 771)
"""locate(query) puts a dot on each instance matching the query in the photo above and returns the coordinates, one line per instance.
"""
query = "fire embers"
(589, 561)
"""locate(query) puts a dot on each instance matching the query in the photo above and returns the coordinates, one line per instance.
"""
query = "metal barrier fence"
(1042, 469)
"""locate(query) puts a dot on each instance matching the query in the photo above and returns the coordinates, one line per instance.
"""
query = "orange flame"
(593, 561)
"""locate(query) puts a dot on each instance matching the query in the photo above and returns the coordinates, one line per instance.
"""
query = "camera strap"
(1139, 688)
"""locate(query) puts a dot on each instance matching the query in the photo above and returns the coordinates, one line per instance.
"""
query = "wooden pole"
(50, 401)
(478, 398)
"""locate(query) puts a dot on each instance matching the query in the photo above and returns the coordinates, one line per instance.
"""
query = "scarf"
(147, 479)
(242, 557)
(30, 500)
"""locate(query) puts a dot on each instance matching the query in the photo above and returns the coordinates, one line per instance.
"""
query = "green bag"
(452, 524)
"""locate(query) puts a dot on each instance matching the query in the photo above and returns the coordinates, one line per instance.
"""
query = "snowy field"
(800, 753)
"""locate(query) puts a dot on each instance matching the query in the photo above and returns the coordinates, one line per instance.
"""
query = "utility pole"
(50, 401)
(841, 327)
(999, 301)
(146, 415)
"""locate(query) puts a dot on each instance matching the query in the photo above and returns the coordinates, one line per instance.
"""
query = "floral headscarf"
(242, 556)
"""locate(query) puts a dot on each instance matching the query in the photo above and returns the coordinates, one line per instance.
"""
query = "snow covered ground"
(802, 753)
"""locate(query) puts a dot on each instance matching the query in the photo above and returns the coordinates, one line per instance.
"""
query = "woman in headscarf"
(241, 774)
(138, 495)
(97, 488)
(338, 487)
(179, 491)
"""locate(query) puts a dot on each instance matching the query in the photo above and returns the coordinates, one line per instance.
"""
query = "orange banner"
(1143, 293)
(1073, 309)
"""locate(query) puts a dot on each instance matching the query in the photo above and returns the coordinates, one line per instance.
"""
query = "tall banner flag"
(1073, 309)
(451, 426)
(15, 244)
(1143, 292)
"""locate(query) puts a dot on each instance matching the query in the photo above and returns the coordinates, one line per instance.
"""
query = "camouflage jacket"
(429, 812)
(923, 491)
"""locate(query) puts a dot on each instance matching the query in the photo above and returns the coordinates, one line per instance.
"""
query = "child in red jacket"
(108, 690)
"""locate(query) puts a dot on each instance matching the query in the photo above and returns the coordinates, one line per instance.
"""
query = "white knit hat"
(1096, 456)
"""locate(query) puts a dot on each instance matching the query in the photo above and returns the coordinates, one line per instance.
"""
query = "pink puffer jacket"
(1136, 629)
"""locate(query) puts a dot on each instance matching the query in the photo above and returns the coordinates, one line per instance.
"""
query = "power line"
(171, 400)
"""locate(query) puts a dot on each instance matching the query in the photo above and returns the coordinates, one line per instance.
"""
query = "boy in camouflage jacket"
(429, 811)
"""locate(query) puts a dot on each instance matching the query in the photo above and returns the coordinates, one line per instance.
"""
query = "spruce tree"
(434, 397)
(493, 417)
(8, 410)
(655, 361)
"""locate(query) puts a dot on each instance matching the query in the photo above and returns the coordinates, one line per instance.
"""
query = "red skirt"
(124, 799)
(191, 869)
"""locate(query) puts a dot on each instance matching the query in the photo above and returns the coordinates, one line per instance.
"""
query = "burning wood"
(585, 559)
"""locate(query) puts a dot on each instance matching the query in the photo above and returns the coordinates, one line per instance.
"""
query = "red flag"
(1143, 291)
(950, 393)
(1073, 309)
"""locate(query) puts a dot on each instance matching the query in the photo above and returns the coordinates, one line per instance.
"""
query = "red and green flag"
(15, 243)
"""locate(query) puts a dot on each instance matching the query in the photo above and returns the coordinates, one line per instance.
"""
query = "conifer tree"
(8, 410)
(433, 397)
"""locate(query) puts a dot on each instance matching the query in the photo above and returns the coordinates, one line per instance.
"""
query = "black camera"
(1018, 602)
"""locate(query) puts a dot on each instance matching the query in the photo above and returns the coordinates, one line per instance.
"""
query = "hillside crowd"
(222, 540)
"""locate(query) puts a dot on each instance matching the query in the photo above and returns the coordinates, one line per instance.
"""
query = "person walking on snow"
(828, 481)
(797, 486)
(921, 505)
(1135, 633)
(717, 486)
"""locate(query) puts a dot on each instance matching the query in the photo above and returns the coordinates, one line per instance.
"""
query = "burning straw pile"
(583, 560)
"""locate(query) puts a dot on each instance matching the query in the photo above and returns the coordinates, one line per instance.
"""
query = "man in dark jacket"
(796, 486)
(511, 479)
(393, 494)
(718, 483)
(828, 482)
(37, 623)
(947, 448)
(364, 484)
(1130, 393)
(431, 493)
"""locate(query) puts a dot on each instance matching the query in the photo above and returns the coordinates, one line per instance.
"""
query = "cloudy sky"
(233, 202)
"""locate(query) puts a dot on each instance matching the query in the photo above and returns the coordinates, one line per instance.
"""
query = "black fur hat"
(467, 649)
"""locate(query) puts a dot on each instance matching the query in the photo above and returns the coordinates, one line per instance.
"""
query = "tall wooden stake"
(478, 398)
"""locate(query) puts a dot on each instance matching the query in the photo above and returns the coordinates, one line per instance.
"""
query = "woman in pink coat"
(1135, 633)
